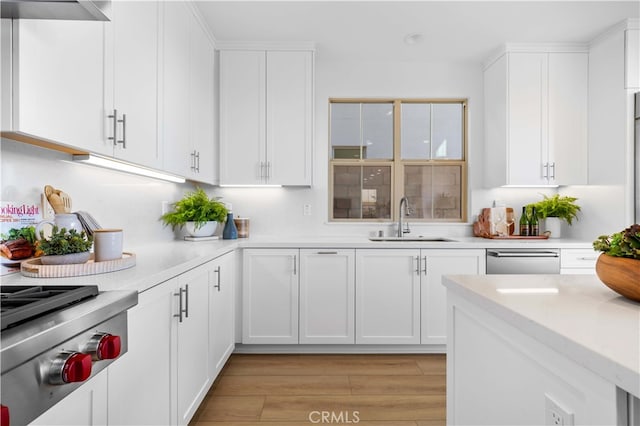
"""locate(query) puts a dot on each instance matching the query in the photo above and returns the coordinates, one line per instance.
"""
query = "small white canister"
(107, 244)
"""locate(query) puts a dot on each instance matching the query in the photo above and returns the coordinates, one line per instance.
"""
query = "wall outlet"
(306, 210)
(556, 415)
(164, 208)
(47, 210)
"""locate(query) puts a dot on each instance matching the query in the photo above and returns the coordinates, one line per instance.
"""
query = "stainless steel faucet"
(407, 212)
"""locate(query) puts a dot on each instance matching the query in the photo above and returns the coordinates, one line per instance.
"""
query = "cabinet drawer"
(578, 258)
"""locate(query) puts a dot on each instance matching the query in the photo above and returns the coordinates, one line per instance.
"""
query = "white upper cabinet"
(536, 119)
(187, 105)
(134, 33)
(632, 55)
(266, 116)
(58, 75)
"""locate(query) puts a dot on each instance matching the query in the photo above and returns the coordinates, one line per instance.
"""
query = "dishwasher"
(523, 261)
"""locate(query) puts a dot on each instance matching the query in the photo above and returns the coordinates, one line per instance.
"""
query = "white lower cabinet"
(180, 335)
(327, 296)
(270, 296)
(221, 312)
(387, 296)
(192, 341)
(140, 390)
(433, 296)
(347, 296)
(87, 405)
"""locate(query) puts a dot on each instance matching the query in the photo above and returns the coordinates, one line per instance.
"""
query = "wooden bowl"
(620, 274)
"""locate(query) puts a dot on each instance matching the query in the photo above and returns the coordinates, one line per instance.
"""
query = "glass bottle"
(230, 232)
(524, 223)
(534, 229)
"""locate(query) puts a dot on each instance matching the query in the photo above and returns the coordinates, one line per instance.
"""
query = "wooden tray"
(517, 237)
(35, 269)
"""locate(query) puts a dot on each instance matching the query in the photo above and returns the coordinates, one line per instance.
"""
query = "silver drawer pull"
(327, 252)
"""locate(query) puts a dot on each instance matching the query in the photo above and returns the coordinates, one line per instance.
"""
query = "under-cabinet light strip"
(109, 163)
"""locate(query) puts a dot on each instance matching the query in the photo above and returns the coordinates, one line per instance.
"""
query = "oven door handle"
(496, 253)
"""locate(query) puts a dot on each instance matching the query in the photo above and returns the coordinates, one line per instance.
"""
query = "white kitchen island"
(541, 349)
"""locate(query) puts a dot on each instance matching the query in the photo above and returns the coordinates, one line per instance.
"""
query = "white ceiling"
(465, 31)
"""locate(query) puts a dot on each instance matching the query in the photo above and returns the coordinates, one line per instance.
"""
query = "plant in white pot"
(198, 213)
(555, 209)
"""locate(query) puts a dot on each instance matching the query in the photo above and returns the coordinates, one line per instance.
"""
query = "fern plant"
(563, 208)
(197, 207)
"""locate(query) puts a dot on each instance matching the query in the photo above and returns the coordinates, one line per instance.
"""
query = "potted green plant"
(64, 247)
(555, 209)
(198, 213)
(619, 264)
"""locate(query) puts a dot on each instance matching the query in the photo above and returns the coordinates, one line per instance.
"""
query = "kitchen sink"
(414, 239)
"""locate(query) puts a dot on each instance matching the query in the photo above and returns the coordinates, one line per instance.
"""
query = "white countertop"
(159, 262)
(585, 320)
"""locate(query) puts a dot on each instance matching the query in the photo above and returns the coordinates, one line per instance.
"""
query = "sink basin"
(414, 239)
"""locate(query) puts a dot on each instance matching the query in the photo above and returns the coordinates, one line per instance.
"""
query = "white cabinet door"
(435, 264)
(192, 340)
(289, 117)
(527, 148)
(87, 405)
(632, 58)
(567, 118)
(270, 295)
(536, 119)
(242, 117)
(202, 92)
(187, 102)
(134, 28)
(141, 386)
(266, 117)
(388, 296)
(327, 292)
(175, 108)
(221, 313)
(58, 90)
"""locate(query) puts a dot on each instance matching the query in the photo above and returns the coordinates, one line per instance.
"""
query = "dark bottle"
(230, 232)
(534, 229)
(524, 223)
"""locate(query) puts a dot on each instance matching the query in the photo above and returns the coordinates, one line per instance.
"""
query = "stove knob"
(103, 346)
(69, 367)
(4, 415)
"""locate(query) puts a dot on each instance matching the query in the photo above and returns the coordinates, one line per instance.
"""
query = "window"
(382, 150)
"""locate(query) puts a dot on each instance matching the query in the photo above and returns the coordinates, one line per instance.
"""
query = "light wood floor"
(292, 390)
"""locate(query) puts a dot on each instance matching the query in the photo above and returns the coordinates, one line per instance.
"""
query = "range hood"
(76, 10)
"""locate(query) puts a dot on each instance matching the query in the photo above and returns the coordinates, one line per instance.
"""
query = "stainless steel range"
(53, 338)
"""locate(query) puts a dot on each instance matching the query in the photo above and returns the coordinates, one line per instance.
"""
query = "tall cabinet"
(187, 108)
(536, 116)
(266, 116)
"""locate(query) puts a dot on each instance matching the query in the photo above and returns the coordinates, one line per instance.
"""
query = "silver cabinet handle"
(197, 161)
(123, 141)
(217, 271)
(186, 300)
(417, 265)
(261, 170)
(295, 266)
(327, 252)
(588, 258)
(424, 271)
(180, 309)
(545, 170)
(268, 170)
(193, 161)
(115, 126)
(552, 170)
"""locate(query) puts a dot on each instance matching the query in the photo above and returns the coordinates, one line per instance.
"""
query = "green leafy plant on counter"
(195, 206)
(562, 207)
(64, 242)
(625, 243)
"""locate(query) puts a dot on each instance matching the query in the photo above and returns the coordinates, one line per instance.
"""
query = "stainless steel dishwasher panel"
(523, 261)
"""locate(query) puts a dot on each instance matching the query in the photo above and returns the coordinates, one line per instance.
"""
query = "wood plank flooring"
(292, 390)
